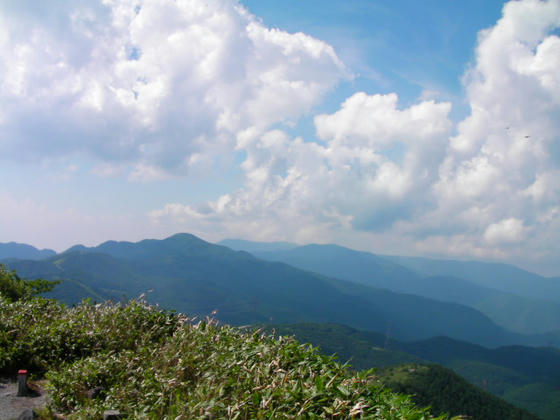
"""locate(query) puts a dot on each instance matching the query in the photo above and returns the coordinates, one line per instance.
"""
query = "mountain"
(525, 376)
(446, 392)
(504, 277)
(520, 314)
(196, 277)
(347, 264)
(23, 251)
(252, 246)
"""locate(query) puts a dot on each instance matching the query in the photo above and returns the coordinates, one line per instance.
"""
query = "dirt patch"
(11, 406)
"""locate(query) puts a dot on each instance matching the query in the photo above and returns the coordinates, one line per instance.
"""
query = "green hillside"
(148, 363)
(362, 349)
(447, 392)
(193, 276)
(524, 376)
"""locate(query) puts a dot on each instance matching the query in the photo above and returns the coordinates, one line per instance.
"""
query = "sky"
(397, 127)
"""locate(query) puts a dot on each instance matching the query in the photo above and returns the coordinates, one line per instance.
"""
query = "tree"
(14, 288)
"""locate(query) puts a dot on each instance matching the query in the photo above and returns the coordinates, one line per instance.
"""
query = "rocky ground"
(12, 406)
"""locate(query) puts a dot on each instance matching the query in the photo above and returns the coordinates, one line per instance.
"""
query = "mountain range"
(387, 310)
(496, 290)
(23, 251)
(196, 277)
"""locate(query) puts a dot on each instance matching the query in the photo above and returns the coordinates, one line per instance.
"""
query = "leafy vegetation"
(14, 288)
(149, 363)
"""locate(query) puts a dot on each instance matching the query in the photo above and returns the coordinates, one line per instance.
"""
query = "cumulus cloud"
(505, 231)
(503, 164)
(486, 188)
(355, 180)
(156, 89)
(149, 83)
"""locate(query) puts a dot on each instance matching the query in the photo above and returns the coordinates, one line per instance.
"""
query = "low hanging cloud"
(156, 86)
(407, 179)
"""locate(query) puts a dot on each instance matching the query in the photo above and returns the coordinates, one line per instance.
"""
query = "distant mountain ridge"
(23, 251)
(504, 277)
(521, 313)
(185, 273)
(434, 279)
(196, 277)
(253, 246)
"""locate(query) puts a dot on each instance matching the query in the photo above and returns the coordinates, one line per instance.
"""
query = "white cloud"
(156, 89)
(505, 231)
(504, 160)
(397, 177)
(307, 191)
(149, 83)
(147, 173)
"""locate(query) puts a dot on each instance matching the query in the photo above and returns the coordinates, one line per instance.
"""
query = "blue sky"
(401, 46)
(419, 128)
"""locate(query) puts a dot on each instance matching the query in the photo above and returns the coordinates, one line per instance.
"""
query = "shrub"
(210, 371)
(150, 363)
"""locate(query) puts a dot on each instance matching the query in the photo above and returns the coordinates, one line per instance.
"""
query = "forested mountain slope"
(196, 277)
(524, 376)
(520, 313)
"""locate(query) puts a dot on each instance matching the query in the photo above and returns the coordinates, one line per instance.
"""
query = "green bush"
(40, 334)
(210, 371)
(150, 363)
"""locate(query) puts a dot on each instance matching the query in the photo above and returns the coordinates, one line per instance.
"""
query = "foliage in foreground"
(148, 363)
(14, 288)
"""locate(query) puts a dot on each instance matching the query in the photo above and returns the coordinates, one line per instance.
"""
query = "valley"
(368, 309)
